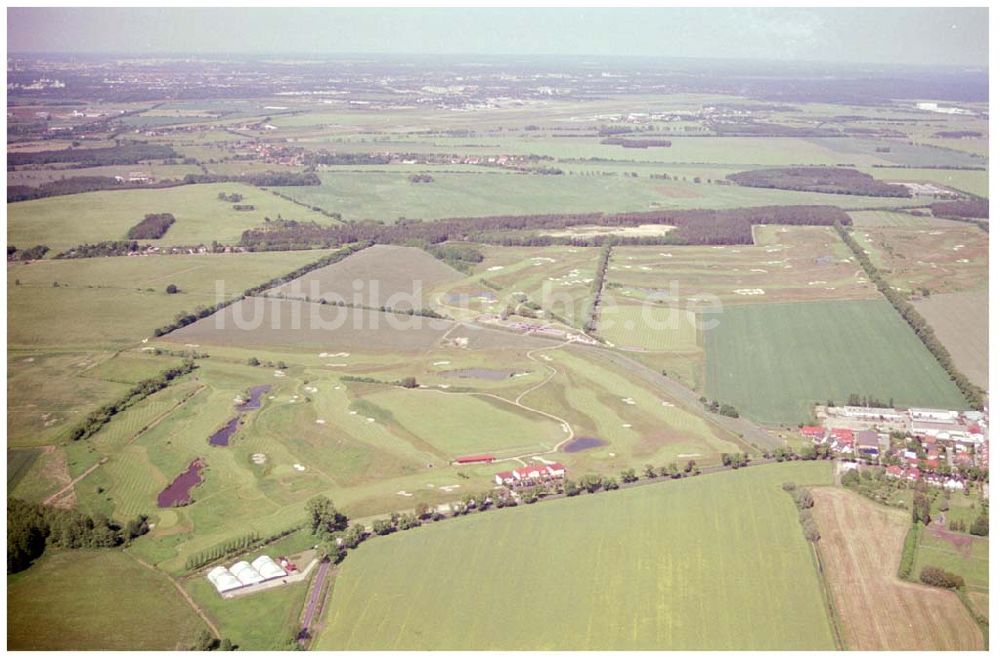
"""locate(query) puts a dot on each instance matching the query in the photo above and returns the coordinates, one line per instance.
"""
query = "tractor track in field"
(187, 598)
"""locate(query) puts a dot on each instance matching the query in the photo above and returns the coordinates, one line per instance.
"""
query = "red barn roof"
(467, 459)
(813, 431)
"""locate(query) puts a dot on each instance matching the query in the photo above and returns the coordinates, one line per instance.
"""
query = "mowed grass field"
(961, 321)
(861, 545)
(96, 600)
(74, 312)
(66, 221)
(775, 361)
(715, 562)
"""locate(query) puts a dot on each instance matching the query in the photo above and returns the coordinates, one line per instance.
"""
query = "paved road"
(314, 601)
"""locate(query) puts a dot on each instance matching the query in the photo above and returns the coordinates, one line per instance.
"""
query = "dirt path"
(187, 598)
(69, 486)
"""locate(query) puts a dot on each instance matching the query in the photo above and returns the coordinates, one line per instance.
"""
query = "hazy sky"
(904, 36)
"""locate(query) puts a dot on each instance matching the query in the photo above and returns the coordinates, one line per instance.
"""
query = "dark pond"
(178, 493)
(254, 402)
(582, 444)
(481, 373)
(221, 436)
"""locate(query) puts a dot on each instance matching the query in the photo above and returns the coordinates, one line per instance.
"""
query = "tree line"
(128, 153)
(923, 330)
(636, 143)
(31, 528)
(102, 415)
(103, 248)
(596, 288)
(30, 254)
(690, 227)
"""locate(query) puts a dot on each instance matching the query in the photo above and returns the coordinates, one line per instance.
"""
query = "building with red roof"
(475, 459)
(814, 432)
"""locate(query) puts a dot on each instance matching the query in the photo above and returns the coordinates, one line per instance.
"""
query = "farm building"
(816, 433)
(244, 574)
(530, 474)
(867, 443)
(475, 459)
(871, 413)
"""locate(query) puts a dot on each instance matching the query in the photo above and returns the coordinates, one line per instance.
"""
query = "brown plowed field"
(860, 545)
(961, 321)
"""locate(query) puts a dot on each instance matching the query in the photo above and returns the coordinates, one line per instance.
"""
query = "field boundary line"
(187, 598)
(828, 602)
(69, 486)
(163, 415)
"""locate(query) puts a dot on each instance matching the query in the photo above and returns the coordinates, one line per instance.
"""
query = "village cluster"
(943, 447)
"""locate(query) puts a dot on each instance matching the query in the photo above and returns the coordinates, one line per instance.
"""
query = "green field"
(134, 287)
(716, 562)
(650, 327)
(96, 600)
(969, 559)
(774, 361)
(263, 621)
(390, 196)
(66, 221)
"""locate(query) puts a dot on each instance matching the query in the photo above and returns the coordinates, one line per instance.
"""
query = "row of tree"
(102, 415)
(32, 527)
(923, 330)
(597, 289)
(690, 227)
(804, 502)
(184, 318)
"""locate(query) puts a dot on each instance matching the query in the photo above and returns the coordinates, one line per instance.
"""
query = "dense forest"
(833, 180)
(692, 227)
(122, 154)
(33, 527)
(969, 208)
(153, 226)
(78, 184)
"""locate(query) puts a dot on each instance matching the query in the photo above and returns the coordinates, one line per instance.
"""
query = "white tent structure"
(246, 574)
(267, 568)
(223, 579)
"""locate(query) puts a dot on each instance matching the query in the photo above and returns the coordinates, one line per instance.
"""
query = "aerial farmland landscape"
(480, 329)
